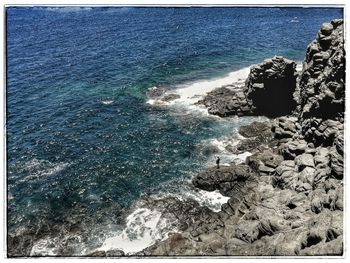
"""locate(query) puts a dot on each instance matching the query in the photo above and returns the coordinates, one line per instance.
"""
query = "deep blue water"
(68, 150)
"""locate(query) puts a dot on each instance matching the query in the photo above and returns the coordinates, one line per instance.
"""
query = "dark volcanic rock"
(224, 179)
(292, 148)
(109, 253)
(226, 101)
(322, 85)
(268, 91)
(285, 127)
(247, 145)
(257, 133)
(170, 97)
(155, 92)
(270, 87)
(264, 162)
(255, 129)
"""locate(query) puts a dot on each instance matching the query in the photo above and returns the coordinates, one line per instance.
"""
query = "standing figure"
(218, 162)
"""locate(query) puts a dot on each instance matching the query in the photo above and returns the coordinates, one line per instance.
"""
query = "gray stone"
(304, 160)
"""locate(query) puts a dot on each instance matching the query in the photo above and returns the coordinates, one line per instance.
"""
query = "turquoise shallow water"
(81, 141)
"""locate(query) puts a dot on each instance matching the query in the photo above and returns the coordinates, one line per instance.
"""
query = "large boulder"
(270, 87)
(255, 129)
(285, 127)
(225, 179)
(267, 91)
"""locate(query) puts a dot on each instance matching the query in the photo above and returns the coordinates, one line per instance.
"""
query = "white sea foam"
(151, 101)
(41, 168)
(299, 67)
(107, 102)
(192, 93)
(222, 145)
(45, 247)
(143, 228)
(66, 8)
(9, 195)
(213, 200)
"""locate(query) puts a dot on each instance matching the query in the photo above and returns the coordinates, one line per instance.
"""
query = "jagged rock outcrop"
(270, 87)
(322, 82)
(225, 179)
(227, 101)
(256, 129)
(264, 162)
(267, 91)
(257, 136)
(322, 85)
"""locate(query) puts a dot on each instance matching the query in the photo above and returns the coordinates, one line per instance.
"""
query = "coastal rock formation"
(255, 129)
(285, 127)
(322, 86)
(267, 91)
(287, 198)
(322, 91)
(225, 179)
(270, 87)
(226, 101)
(257, 136)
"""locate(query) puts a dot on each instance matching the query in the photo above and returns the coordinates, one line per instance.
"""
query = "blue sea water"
(82, 143)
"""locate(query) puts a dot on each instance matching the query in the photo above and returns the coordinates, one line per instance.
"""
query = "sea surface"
(83, 144)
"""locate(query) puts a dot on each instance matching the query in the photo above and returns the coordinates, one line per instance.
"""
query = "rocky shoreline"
(286, 199)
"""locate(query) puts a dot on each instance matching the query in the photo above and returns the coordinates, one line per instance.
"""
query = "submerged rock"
(170, 97)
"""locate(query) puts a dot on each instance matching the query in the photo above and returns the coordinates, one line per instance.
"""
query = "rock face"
(322, 85)
(267, 91)
(258, 135)
(227, 101)
(287, 198)
(270, 87)
(322, 90)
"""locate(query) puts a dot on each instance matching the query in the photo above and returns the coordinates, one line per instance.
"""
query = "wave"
(45, 247)
(213, 200)
(143, 228)
(40, 168)
(107, 102)
(146, 226)
(66, 8)
(192, 93)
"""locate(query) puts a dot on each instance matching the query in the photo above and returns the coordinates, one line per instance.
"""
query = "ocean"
(84, 140)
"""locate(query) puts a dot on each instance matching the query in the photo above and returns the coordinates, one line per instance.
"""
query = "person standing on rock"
(218, 162)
